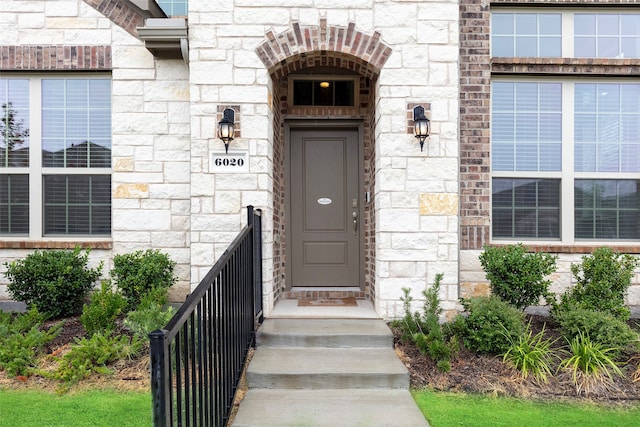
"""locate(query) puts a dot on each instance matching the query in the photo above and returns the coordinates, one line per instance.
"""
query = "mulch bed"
(473, 373)
(130, 375)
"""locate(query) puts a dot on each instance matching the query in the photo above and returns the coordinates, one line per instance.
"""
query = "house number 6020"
(229, 161)
(233, 162)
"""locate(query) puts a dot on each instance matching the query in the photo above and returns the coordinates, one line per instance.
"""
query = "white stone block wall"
(416, 194)
(416, 239)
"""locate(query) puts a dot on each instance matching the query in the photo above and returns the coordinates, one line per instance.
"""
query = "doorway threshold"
(289, 309)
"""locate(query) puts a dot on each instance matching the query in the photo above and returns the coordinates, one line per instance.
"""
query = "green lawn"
(90, 408)
(451, 409)
(123, 409)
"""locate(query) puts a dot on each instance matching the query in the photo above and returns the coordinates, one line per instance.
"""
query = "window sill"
(574, 249)
(561, 66)
(50, 244)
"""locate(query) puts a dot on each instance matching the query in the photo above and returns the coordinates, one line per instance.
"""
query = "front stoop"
(327, 372)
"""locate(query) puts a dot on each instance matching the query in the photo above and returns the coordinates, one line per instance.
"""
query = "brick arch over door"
(305, 47)
(345, 47)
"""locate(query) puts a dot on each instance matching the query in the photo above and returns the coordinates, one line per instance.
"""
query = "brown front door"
(324, 207)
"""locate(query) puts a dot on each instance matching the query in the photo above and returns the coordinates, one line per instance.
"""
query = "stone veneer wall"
(476, 69)
(150, 121)
(415, 225)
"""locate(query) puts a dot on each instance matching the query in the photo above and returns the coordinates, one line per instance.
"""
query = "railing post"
(257, 265)
(160, 379)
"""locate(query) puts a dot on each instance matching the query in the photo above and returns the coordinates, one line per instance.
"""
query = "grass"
(87, 408)
(453, 409)
(133, 409)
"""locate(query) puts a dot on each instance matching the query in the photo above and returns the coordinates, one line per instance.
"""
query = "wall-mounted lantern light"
(225, 128)
(420, 125)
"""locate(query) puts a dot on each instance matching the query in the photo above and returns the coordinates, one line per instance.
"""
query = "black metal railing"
(197, 360)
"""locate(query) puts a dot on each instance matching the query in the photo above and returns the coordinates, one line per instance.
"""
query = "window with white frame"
(526, 34)
(174, 7)
(55, 156)
(565, 160)
(606, 35)
(610, 34)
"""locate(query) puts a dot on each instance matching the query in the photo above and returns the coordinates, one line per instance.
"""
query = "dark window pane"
(344, 93)
(526, 208)
(14, 204)
(77, 204)
(303, 92)
(323, 93)
(502, 223)
(607, 209)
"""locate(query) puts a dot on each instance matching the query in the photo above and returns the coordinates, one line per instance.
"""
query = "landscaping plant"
(103, 309)
(517, 276)
(152, 313)
(21, 340)
(530, 354)
(53, 281)
(602, 280)
(590, 364)
(92, 355)
(136, 273)
(490, 324)
(601, 328)
(425, 330)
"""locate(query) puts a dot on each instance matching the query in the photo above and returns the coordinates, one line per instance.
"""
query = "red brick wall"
(50, 58)
(120, 13)
(475, 111)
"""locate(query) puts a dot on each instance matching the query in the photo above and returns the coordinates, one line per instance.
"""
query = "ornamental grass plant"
(531, 354)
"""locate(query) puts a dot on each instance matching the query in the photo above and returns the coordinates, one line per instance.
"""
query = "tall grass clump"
(531, 354)
(590, 364)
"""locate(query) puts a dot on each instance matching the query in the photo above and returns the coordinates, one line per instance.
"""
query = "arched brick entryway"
(364, 53)
(322, 47)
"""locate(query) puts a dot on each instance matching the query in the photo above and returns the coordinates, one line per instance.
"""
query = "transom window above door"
(326, 92)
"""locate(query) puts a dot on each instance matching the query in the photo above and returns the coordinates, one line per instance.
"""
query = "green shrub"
(53, 281)
(602, 328)
(137, 273)
(105, 306)
(517, 276)
(531, 355)
(424, 328)
(590, 364)
(489, 326)
(92, 355)
(151, 314)
(602, 280)
(21, 322)
(21, 341)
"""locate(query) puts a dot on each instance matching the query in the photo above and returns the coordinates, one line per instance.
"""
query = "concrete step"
(332, 368)
(330, 408)
(331, 333)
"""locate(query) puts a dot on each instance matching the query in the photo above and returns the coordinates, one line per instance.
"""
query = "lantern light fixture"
(226, 128)
(421, 125)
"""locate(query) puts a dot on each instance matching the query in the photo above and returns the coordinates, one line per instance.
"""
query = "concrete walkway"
(327, 372)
